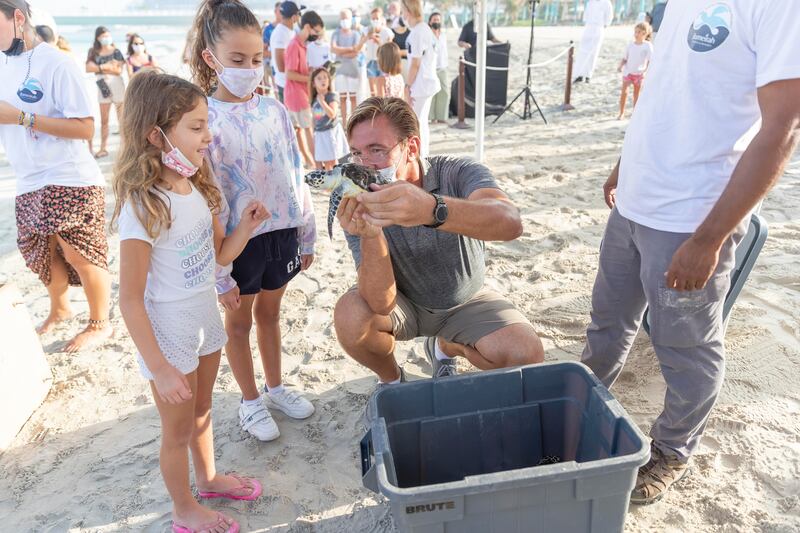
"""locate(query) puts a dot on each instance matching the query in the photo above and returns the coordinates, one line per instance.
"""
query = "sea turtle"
(347, 179)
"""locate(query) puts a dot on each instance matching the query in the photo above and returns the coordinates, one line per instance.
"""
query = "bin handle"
(369, 476)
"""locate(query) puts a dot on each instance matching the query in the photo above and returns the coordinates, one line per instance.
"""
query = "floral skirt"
(76, 214)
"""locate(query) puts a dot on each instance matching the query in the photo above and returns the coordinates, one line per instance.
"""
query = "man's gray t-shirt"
(432, 268)
(349, 65)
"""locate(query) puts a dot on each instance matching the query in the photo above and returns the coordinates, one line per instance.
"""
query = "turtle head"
(318, 179)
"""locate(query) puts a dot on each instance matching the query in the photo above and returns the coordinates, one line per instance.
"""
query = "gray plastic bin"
(541, 448)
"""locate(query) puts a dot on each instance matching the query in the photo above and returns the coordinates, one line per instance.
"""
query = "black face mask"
(17, 45)
(436, 25)
(312, 37)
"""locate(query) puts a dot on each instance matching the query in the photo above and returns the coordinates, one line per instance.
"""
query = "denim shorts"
(373, 71)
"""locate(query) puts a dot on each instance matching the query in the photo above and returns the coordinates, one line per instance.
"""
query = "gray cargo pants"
(686, 328)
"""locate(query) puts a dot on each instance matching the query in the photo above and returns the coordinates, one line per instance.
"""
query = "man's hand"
(692, 265)
(610, 187)
(350, 215)
(399, 203)
(305, 261)
(8, 113)
(230, 300)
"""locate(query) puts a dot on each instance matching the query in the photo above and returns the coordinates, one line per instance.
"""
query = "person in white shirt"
(318, 52)
(422, 82)
(634, 65)
(596, 16)
(281, 36)
(441, 100)
(710, 137)
(393, 14)
(377, 35)
(45, 121)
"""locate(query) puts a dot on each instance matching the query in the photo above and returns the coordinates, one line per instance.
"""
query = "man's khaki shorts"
(467, 323)
(301, 119)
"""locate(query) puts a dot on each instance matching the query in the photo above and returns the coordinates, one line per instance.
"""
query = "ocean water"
(164, 35)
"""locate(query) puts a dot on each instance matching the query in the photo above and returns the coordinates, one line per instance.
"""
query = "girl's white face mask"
(241, 82)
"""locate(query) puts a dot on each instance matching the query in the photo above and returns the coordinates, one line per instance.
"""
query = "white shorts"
(186, 330)
(117, 86)
(345, 85)
(330, 145)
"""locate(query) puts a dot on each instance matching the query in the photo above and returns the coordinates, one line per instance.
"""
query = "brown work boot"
(657, 476)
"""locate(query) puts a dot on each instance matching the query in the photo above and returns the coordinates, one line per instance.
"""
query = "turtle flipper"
(333, 207)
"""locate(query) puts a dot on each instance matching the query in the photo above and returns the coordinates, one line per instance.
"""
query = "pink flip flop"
(221, 519)
(244, 483)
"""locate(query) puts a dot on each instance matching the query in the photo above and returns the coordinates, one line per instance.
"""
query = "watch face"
(441, 213)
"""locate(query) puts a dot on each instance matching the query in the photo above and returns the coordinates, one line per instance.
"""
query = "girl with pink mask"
(168, 212)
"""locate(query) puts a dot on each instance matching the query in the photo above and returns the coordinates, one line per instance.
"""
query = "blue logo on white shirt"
(710, 29)
(31, 91)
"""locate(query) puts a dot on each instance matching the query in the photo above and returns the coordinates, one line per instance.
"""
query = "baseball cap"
(290, 9)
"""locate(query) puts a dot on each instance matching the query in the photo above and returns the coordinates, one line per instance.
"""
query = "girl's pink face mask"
(176, 160)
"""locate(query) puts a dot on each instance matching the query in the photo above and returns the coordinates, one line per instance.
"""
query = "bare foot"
(233, 484)
(93, 335)
(620, 116)
(52, 320)
(203, 520)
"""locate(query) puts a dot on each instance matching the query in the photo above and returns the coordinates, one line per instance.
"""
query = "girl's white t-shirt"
(422, 43)
(54, 88)
(182, 259)
(636, 58)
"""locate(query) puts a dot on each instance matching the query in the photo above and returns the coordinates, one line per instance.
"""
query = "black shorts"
(268, 262)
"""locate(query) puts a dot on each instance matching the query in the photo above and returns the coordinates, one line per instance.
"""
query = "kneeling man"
(418, 245)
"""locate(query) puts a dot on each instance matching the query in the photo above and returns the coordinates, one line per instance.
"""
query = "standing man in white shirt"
(393, 14)
(441, 100)
(596, 16)
(681, 197)
(422, 82)
(280, 39)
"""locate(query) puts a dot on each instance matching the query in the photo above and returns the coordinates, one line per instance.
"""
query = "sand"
(87, 460)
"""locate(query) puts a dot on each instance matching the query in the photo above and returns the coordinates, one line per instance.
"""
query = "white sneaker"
(291, 403)
(257, 421)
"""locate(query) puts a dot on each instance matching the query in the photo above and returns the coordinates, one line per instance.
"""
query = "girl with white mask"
(139, 56)
(106, 61)
(254, 155)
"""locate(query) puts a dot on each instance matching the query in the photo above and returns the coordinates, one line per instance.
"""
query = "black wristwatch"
(439, 212)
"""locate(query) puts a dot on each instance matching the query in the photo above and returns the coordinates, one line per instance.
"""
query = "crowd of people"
(212, 208)
(399, 53)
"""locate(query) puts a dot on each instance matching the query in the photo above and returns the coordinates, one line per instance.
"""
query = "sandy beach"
(87, 460)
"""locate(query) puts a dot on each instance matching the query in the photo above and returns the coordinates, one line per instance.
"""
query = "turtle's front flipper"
(333, 207)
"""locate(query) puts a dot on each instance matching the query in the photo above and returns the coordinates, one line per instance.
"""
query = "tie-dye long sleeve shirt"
(254, 155)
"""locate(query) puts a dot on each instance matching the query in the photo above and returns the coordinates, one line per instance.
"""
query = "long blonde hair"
(154, 100)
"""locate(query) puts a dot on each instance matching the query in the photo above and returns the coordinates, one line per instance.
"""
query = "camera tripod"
(529, 99)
